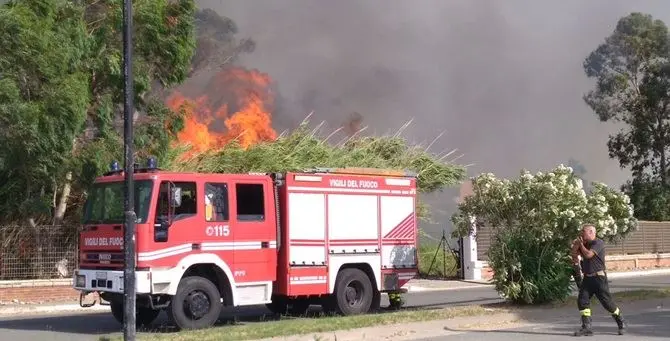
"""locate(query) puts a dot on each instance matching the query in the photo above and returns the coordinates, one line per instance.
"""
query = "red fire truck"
(331, 237)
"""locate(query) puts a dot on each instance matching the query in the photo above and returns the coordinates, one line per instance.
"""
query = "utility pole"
(129, 298)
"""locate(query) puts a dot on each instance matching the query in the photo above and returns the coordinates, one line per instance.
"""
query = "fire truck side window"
(250, 202)
(188, 205)
(216, 202)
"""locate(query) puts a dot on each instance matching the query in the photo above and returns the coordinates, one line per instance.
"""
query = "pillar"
(472, 266)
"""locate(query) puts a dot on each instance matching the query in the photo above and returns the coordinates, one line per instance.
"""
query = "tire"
(353, 292)
(375, 306)
(143, 316)
(196, 305)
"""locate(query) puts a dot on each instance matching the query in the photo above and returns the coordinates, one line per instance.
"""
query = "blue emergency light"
(151, 163)
(114, 167)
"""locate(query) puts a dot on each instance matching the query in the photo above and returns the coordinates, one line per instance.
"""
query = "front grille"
(102, 259)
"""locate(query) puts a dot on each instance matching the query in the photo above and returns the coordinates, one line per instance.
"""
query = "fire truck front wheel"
(353, 292)
(197, 304)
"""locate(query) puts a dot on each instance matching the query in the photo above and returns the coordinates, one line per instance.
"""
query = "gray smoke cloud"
(502, 79)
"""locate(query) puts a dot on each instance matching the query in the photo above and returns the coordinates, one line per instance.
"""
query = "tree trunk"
(39, 259)
(664, 168)
(62, 203)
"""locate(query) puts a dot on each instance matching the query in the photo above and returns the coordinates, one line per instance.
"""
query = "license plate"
(101, 275)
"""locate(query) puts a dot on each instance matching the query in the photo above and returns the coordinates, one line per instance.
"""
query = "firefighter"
(594, 280)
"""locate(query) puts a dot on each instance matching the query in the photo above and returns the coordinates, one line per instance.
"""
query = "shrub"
(533, 220)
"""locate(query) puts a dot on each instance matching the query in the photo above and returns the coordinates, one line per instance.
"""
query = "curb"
(11, 310)
(611, 275)
(416, 288)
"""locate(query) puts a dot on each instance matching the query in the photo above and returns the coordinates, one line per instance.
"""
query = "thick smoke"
(502, 79)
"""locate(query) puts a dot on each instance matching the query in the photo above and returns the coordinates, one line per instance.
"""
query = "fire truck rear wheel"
(353, 292)
(196, 305)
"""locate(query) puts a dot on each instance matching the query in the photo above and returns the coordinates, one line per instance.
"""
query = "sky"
(502, 80)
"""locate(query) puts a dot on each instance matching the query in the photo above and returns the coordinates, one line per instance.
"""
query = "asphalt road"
(90, 326)
(643, 325)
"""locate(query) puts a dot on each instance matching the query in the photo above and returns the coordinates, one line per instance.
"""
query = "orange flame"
(248, 91)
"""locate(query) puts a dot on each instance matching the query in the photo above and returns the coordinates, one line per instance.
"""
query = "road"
(644, 324)
(90, 326)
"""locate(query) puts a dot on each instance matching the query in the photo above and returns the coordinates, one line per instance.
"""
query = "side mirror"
(175, 196)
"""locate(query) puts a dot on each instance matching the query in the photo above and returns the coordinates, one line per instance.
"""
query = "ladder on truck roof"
(361, 171)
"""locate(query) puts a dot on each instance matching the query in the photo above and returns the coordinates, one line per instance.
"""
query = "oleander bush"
(533, 220)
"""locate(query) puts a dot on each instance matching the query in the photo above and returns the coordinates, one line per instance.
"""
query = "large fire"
(208, 122)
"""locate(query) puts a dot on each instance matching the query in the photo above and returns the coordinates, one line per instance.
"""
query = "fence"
(42, 252)
(51, 252)
(650, 237)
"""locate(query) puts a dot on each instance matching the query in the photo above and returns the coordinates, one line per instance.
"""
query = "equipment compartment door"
(255, 231)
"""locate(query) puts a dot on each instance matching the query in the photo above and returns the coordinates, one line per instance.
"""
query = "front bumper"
(109, 281)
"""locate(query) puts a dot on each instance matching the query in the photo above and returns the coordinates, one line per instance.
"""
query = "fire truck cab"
(331, 237)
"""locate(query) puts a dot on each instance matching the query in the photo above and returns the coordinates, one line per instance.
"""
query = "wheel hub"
(197, 304)
(353, 294)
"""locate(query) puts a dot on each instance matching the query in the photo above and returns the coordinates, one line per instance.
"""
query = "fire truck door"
(181, 218)
(254, 231)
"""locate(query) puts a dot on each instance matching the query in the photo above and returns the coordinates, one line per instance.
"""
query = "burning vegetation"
(241, 111)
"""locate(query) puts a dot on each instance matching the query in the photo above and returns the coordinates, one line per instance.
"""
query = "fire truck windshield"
(105, 202)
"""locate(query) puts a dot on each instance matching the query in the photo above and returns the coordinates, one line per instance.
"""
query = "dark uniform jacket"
(597, 262)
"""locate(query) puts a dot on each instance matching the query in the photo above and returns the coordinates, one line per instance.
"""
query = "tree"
(533, 220)
(632, 72)
(61, 90)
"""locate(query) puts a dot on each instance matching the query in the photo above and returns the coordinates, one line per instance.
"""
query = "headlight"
(80, 281)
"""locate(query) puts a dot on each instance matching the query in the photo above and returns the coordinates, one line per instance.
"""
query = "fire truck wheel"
(353, 292)
(376, 301)
(143, 316)
(197, 304)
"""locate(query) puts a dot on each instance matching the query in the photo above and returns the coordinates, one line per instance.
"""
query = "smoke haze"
(502, 79)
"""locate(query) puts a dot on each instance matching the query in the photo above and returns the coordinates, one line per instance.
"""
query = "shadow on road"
(92, 324)
(104, 323)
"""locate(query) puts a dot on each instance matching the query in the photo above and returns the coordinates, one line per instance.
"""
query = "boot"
(621, 323)
(586, 327)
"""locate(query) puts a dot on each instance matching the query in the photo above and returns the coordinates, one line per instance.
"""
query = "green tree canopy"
(61, 96)
(632, 72)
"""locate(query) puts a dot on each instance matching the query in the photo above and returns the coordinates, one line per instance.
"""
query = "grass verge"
(294, 326)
